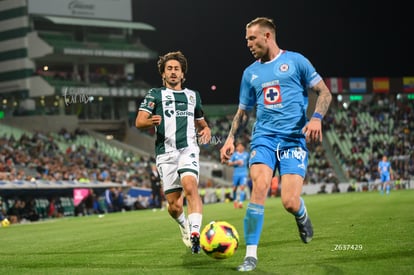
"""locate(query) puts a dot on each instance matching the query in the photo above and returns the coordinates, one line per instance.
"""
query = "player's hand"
(204, 135)
(313, 130)
(226, 151)
(156, 120)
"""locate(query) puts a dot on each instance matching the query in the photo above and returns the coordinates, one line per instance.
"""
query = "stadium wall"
(311, 189)
(44, 123)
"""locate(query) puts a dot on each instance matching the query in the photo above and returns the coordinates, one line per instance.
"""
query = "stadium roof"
(100, 23)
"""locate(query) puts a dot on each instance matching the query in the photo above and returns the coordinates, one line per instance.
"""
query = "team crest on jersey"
(271, 95)
(284, 68)
(192, 99)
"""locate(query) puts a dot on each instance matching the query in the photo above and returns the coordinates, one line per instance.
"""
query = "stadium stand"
(56, 61)
(33, 165)
(364, 131)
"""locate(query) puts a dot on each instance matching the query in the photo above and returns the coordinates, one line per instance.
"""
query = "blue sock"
(387, 189)
(253, 223)
(242, 196)
(301, 214)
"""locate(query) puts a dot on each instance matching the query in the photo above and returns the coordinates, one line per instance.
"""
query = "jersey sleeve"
(309, 74)
(247, 97)
(198, 111)
(148, 103)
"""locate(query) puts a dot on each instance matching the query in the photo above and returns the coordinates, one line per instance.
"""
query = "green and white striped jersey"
(178, 110)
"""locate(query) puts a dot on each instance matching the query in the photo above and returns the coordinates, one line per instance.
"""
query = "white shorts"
(172, 166)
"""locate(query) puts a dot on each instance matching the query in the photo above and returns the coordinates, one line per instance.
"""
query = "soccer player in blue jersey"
(276, 85)
(239, 161)
(385, 171)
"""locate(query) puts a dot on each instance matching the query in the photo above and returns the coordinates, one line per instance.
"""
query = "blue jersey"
(278, 90)
(240, 170)
(384, 167)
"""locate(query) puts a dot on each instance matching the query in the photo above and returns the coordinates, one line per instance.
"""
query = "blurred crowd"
(40, 158)
(390, 132)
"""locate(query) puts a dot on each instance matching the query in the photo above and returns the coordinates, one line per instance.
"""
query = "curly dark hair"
(178, 55)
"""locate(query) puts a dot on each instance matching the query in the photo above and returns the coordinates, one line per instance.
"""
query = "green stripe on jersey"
(181, 119)
(177, 108)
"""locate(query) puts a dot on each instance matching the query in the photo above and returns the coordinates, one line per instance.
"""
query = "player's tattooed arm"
(324, 98)
(240, 121)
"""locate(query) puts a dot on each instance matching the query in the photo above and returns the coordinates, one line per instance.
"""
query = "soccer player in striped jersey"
(276, 86)
(177, 115)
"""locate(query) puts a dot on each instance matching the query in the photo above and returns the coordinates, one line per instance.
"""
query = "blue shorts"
(239, 180)
(385, 178)
(287, 155)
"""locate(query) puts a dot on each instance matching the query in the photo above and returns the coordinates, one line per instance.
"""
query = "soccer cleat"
(195, 241)
(248, 264)
(305, 230)
(185, 233)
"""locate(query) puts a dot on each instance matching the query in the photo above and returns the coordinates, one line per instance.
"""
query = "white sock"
(251, 251)
(195, 222)
(181, 219)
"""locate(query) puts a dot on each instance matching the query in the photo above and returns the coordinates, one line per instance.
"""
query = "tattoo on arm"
(324, 99)
(239, 123)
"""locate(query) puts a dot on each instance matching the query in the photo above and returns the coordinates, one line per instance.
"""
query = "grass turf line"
(355, 233)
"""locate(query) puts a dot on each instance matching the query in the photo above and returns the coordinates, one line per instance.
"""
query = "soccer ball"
(219, 239)
(5, 222)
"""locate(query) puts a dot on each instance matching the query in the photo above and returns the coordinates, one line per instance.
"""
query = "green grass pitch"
(355, 233)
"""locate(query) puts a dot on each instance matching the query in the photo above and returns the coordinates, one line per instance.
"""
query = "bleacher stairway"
(334, 161)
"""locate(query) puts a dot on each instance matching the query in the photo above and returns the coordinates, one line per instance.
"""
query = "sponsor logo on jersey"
(180, 113)
(272, 95)
(168, 113)
(169, 100)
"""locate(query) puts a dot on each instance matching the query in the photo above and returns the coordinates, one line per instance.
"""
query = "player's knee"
(174, 207)
(291, 204)
(261, 188)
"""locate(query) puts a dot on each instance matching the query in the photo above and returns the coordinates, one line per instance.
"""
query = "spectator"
(54, 208)
(156, 193)
(335, 188)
